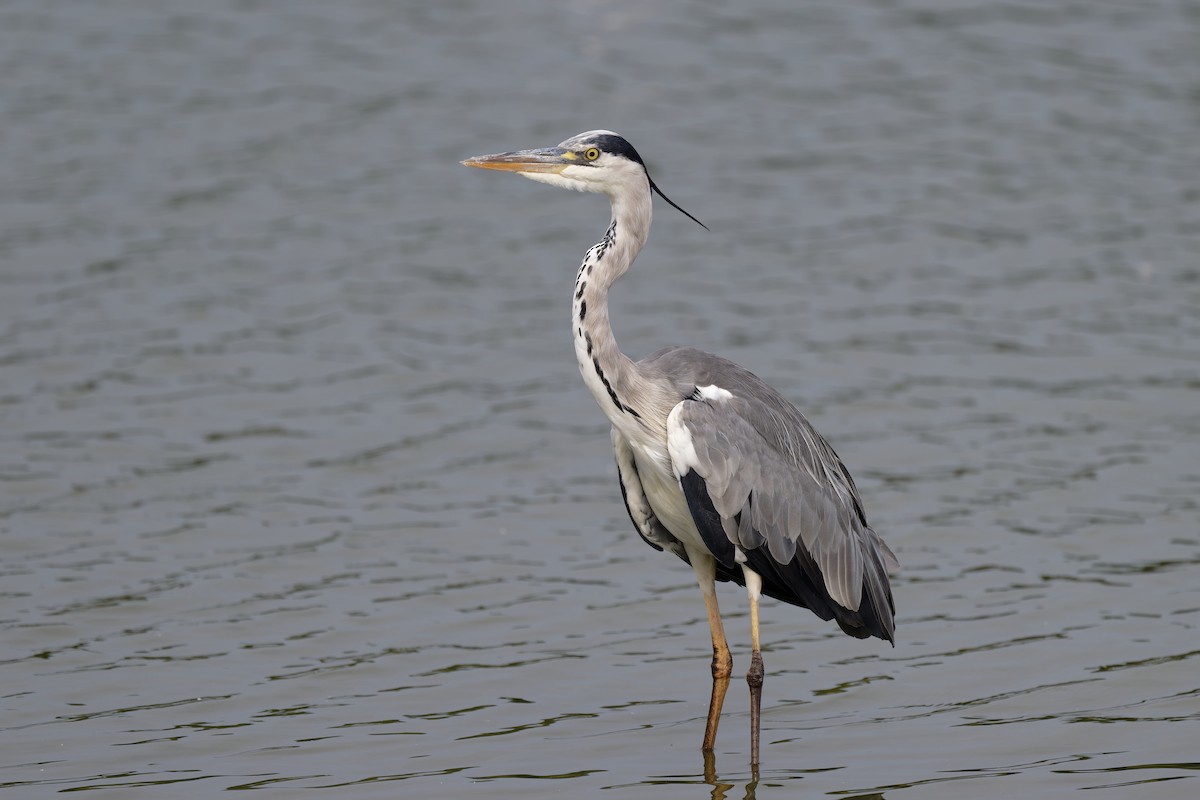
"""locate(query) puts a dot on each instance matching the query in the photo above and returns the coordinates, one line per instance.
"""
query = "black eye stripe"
(618, 147)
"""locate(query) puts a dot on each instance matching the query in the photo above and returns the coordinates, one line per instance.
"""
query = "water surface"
(300, 490)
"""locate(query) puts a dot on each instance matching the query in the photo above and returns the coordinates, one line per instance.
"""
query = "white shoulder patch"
(679, 443)
(716, 393)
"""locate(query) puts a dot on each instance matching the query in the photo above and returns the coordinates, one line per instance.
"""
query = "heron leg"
(722, 662)
(755, 676)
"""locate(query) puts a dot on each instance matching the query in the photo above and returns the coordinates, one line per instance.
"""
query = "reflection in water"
(719, 788)
(723, 789)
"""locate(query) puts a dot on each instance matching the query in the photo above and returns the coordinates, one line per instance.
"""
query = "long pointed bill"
(551, 160)
(547, 159)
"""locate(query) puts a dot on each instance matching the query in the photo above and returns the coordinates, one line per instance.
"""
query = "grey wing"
(766, 490)
(644, 520)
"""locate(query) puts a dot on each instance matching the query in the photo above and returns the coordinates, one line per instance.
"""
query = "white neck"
(609, 374)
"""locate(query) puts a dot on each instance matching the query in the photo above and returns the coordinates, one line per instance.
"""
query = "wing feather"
(785, 499)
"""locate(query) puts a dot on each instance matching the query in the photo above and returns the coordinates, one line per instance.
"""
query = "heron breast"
(665, 496)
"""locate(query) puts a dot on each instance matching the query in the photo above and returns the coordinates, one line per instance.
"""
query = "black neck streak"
(594, 256)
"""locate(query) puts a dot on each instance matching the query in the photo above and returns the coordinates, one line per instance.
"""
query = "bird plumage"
(783, 500)
(715, 466)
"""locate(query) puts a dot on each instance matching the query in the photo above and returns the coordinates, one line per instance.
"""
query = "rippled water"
(300, 490)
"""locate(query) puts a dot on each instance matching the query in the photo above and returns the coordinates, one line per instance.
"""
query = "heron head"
(595, 161)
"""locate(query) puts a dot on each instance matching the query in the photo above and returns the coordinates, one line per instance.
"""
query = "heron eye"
(591, 154)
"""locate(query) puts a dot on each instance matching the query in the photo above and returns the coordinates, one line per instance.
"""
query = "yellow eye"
(591, 154)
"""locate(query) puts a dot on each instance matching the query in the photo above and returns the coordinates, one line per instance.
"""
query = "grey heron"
(715, 465)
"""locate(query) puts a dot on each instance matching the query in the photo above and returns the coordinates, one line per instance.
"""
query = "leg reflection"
(721, 788)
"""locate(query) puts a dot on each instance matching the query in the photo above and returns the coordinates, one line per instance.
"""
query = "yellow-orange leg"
(755, 676)
(722, 662)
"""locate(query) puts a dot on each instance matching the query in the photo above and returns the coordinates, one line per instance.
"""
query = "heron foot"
(755, 680)
(722, 668)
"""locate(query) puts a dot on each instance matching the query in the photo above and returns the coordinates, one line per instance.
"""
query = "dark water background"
(300, 490)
